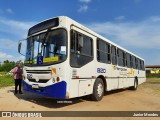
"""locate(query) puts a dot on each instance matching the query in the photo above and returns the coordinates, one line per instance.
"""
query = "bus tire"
(98, 90)
(135, 86)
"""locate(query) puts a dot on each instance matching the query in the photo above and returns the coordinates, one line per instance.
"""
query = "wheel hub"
(100, 89)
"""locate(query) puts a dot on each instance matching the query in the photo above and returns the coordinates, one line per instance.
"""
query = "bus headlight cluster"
(53, 80)
(56, 79)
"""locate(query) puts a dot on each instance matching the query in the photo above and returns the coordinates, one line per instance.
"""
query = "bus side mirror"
(19, 47)
(80, 41)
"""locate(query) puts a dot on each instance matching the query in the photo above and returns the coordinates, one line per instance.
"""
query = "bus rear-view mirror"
(19, 47)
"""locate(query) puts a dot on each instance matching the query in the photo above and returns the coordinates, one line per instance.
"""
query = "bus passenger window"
(134, 62)
(121, 58)
(103, 52)
(73, 38)
(81, 52)
(114, 55)
(128, 60)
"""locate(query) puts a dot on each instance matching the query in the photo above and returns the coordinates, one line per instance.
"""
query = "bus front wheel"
(98, 90)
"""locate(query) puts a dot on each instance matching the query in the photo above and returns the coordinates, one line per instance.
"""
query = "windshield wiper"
(45, 39)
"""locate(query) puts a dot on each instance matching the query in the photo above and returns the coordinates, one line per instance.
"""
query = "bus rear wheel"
(98, 90)
(135, 86)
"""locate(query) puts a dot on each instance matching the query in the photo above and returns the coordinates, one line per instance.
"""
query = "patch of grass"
(3, 73)
(153, 76)
(6, 81)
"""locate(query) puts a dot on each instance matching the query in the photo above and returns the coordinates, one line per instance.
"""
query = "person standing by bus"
(17, 73)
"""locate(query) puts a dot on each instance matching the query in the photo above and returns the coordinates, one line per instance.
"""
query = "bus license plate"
(35, 86)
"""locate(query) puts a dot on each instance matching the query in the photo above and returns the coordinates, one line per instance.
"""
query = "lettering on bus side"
(101, 70)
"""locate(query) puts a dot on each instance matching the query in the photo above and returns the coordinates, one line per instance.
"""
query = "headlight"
(53, 80)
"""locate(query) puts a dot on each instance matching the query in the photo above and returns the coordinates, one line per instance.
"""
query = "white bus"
(64, 59)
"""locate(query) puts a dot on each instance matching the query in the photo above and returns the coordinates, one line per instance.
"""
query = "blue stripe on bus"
(57, 90)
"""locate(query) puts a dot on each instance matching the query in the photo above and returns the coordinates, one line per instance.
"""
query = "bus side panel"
(73, 88)
(141, 77)
(112, 83)
(84, 83)
(85, 87)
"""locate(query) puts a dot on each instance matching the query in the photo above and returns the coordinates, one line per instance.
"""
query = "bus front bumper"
(57, 90)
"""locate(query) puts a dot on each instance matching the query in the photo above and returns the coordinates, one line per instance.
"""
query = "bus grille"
(39, 71)
(40, 80)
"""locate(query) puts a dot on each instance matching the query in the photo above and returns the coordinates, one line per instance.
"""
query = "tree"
(7, 66)
(6, 61)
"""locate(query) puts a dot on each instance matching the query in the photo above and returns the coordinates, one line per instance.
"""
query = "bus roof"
(101, 37)
(91, 32)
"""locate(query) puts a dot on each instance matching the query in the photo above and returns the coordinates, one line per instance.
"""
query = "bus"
(64, 59)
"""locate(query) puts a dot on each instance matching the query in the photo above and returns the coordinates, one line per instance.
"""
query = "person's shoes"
(15, 93)
(20, 93)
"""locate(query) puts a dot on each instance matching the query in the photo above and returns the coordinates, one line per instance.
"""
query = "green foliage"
(3, 73)
(6, 81)
(7, 66)
(152, 75)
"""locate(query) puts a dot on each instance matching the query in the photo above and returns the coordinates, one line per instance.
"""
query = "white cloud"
(120, 18)
(8, 44)
(10, 32)
(83, 8)
(155, 18)
(17, 58)
(15, 27)
(16, 24)
(85, 1)
(143, 34)
(5, 56)
(9, 10)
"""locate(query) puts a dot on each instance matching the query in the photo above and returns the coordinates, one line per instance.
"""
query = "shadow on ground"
(57, 103)
(47, 102)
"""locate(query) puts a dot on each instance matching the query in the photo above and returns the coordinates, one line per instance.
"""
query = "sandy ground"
(146, 98)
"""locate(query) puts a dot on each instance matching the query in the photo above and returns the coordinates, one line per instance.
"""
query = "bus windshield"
(47, 48)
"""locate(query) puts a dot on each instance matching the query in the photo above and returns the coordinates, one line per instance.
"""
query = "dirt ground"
(146, 98)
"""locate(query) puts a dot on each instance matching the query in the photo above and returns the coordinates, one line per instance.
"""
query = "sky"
(132, 24)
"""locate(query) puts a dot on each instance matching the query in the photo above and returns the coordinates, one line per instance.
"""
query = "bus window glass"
(121, 57)
(80, 55)
(134, 62)
(47, 46)
(128, 60)
(103, 52)
(114, 55)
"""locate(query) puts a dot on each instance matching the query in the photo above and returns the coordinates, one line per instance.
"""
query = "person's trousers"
(18, 84)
